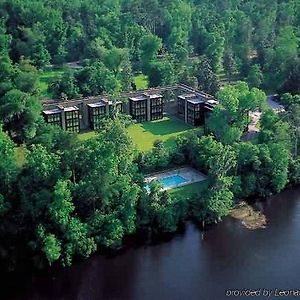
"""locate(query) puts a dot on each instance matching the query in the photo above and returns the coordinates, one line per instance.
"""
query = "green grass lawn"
(83, 136)
(167, 130)
(45, 78)
(189, 190)
(141, 82)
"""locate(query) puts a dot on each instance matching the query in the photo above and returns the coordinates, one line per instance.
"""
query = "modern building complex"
(96, 112)
(191, 109)
(65, 117)
(53, 116)
(77, 115)
(192, 106)
(146, 107)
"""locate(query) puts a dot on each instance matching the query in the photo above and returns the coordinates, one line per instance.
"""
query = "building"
(72, 118)
(114, 107)
(66, 117)
(96, 112)
(53, 116)
(75, 115)
(191, 109)
(146, 107)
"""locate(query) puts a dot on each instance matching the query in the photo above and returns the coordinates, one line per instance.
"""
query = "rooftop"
(97, 104)
(114, 102)
(52, 111)
(144, 96)
(71, 108)
(138, 98)
(192, 98)
(154, 96)
(212, 102)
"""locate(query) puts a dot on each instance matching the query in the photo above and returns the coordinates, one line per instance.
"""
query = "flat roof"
(71, 108)
(52, 111)
(212, 102)
(138, 98)
(195, 100)
(97, 104)
(192, 98)
(143, 97)
(153, 96)
(112, 102)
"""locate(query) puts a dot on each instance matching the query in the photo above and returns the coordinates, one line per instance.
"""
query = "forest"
(199, 43)
(70, 198)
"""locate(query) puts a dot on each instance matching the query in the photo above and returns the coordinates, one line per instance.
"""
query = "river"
(188, 266)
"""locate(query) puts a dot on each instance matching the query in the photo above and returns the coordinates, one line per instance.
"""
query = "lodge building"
(189, 105)
(191, 109)
(146, 107)
(65, 117)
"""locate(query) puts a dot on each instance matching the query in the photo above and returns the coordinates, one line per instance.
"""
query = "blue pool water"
(172, 181)
(169, 182)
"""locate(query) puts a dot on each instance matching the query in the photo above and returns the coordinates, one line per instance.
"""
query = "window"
(181, 108)
(156, 109)
(72, 121)
(95, 116)
(138, 110)
(118, 107)
(190, 113)
(54, 119)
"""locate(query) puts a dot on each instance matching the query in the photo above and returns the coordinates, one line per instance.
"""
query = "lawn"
(45, 78)
(83, 136)
(166, 130)
(189, 190)
(141, 82)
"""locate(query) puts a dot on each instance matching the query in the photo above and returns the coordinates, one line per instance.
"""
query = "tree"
(97, 79)
(161, 73)
(104, 184)
(280, 164)
(255, 76)
(150, 45)
(282, 58)
(229, 63)
(41, 56)
(8, 167)
(231, 116)
(219, 199)
(5, 39)
(76, 236)
(248, 164)
(115, 58)
(274, 129)
(65, 86)
(207, 79)
(51, 246)
(7, 73)
(293, 115)
(19, 113)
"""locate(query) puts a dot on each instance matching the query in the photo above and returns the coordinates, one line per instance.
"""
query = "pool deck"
(189, 174)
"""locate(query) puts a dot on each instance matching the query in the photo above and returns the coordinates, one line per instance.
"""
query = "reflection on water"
(187, 267)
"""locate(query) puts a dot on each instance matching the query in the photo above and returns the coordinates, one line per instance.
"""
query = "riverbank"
(185, 266)
(249, 217)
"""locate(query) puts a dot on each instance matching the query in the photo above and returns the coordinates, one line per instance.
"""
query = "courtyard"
(166, 130)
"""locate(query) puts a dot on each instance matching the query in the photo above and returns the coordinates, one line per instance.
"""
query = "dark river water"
(189, 266)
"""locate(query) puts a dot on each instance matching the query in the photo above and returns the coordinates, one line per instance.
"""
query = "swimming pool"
(169, 182)
(172, 181)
